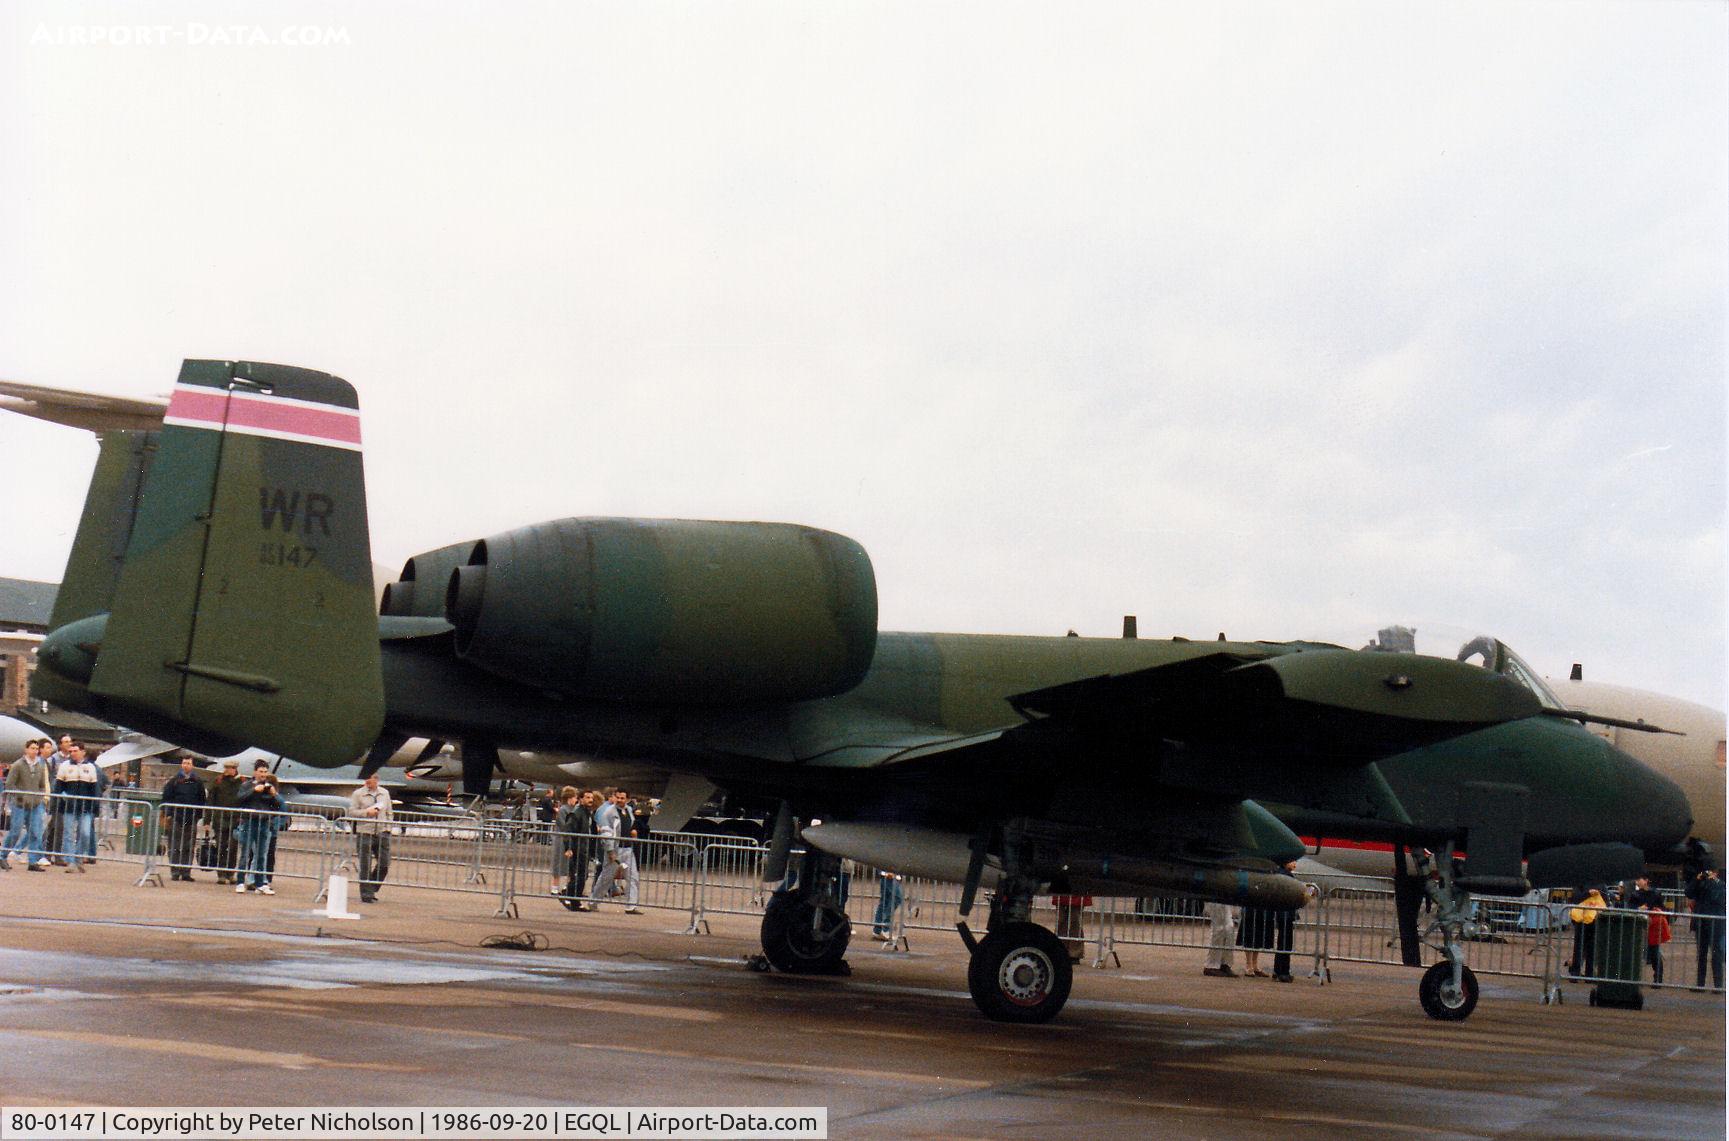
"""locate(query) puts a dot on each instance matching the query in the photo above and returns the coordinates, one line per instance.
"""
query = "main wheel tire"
(795, 943)
(1440, 1000)
(1020, 973)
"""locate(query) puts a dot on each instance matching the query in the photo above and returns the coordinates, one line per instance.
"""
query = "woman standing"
(1256, 933)
(1269, 929)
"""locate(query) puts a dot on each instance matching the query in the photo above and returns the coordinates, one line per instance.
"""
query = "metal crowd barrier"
(188, 840)
(668, 871)
(1505, 936)
(1615, 947)
(729, 877)
(226, 842)
(1174, 921)
(433, 851)
(934, 906)
(729, 882)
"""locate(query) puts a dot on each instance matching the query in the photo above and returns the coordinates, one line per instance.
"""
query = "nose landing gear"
(1449, 990)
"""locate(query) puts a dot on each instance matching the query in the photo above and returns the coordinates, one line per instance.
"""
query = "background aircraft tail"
(243, 607)
(105, 528)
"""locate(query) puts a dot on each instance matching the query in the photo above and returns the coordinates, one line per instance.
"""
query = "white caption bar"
(410, 1123)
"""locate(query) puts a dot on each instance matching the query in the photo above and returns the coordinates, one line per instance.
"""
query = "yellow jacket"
(1586, 912)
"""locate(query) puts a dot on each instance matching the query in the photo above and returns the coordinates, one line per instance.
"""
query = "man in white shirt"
(608, 827)
(79, 788)
(369, 808)
(626, 849)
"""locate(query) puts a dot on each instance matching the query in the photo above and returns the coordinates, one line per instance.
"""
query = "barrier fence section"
(1359, 924)
(667, 871)
(1615, 945)
(233, 843)
(730, 883)
(181, 840)
(433, 851)
(729, 880)
(1175, 921)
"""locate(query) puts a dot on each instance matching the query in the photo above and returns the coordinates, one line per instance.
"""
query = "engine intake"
(668, 610)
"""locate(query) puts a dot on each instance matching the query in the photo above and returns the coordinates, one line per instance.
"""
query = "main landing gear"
(1449, 988)
(805, 929)
(1019, 972)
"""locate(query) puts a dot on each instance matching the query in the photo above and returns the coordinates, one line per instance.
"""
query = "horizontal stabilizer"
(91, 411)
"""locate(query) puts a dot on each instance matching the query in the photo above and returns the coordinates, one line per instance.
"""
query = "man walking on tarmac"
(617, 863)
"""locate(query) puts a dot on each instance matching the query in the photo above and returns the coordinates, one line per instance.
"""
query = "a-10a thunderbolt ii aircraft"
(234, 606)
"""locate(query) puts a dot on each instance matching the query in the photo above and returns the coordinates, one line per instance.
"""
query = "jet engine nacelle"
(668, 610)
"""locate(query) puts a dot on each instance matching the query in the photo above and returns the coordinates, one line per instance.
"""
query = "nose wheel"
(1020, 972)
(1445, 999)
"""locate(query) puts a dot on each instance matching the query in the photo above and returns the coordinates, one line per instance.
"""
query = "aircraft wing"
(1301, 728)
(1320, 704)
(143, 749)
(684, 794)
(88, 410)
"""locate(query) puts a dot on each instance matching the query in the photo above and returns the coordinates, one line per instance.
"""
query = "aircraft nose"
(1656, 807)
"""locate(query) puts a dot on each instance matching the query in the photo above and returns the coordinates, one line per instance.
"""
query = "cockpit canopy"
(1480, 650)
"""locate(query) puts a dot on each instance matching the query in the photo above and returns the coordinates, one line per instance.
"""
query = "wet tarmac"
(117, 995)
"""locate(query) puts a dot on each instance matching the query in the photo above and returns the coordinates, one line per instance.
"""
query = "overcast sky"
(1282, 320)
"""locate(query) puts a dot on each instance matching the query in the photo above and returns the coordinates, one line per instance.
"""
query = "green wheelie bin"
(142, 827)
(1620, 954)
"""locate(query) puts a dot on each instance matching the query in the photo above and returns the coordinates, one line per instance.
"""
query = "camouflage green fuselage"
(857, 754)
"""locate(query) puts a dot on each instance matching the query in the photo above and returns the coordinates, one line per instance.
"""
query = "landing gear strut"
(805, 929)
(1019, 972)
(1449, 988)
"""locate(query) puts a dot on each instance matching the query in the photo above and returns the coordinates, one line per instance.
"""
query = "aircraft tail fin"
(243, 609)
(105, 528)
(98, 553)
